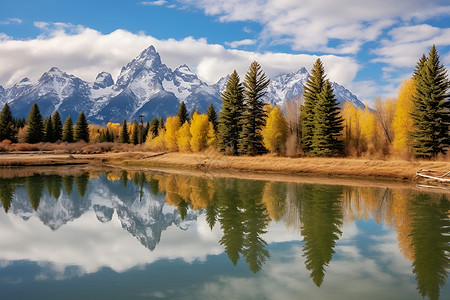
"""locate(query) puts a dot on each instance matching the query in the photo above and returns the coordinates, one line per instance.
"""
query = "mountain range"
(145, 86)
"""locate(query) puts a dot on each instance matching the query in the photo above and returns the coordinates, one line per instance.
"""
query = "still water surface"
(147, 235)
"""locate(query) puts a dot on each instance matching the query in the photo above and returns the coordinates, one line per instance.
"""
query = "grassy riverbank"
(216, 162)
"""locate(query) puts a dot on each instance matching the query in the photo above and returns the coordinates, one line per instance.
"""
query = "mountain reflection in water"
(148, 203)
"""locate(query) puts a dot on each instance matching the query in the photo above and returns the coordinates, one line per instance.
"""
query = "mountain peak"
(25, 80)
(103, 80)
(55, 70)
(148, 62)
(302, 70)
(149, 54)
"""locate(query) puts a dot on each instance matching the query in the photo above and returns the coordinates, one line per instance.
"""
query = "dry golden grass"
(213, 161)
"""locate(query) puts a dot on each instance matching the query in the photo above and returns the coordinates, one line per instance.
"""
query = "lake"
(117, 234)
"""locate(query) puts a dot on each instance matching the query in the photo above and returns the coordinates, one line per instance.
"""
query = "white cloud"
(4, 37)
(11, 21)
(311, 24)
(154, 3)
(236, 44)
(408, 43)
(85, 52)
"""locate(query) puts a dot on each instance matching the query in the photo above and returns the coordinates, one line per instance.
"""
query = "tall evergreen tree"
(48, 130)
(311, 91)
(135, 133)
(212, 115)
(145, 130)
(35, 127)
(124, 136)
(231, 114)
(154, 127)
(254, 116)
(182, 113)
(431, 104)
(322, 219)
(327, 124)
(57, 127)
(430, 241)
(67, 132)
(81, 132)
(7, 127)
(161, 123)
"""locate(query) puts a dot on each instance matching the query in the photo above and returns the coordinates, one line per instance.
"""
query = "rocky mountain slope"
(145, 86)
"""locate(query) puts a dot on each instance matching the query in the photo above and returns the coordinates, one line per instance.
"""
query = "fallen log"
(438, 178)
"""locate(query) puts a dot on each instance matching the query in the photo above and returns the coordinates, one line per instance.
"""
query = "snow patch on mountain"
(145, 86)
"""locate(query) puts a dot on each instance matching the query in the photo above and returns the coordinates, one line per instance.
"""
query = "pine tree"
(254, 116)
(35, 127)
(124, 136)
(145, 130)
(7, 127)
(81, 132)
(135, 133)
(48, 130)
(153, 127)
(57, 127)
(327, 124)
(311, 91)
(212, 115)
(67, 131)
(430, 112)
(230, 116)
(182, 113)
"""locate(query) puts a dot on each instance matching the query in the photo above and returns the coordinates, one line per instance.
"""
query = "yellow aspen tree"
(170, 137)
(184, 137)
(367, 125)
(114, 128)
(402, 123)
(199, 131)
(94, 133)
(212, 137)
(275, 132)
(157, 142)
(352, 128)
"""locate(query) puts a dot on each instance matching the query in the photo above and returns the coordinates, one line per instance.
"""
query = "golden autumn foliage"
(114, 128)
(94, 133)
(199, 131)
(184, 137)
(212, 136)
(275, 132)
(170, 137)
(402, 123)
(158, 142)
(369, 132)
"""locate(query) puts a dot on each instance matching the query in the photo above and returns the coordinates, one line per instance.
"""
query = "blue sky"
(368, 46)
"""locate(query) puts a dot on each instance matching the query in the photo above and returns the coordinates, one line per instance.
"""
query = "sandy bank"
(216, 162)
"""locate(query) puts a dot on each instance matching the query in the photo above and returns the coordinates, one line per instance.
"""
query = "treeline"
(416, 123)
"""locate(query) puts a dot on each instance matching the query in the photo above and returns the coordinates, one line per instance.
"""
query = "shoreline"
(398, 170)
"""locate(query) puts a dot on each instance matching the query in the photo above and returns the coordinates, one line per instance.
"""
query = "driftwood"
(154, 155)
(438, 178)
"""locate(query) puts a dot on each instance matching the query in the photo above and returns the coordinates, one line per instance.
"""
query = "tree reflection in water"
(243, 210)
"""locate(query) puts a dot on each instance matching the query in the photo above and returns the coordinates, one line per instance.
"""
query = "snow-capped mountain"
(289, 86)
(145, 86)
(144, 216)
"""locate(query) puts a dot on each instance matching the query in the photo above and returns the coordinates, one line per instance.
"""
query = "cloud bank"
(85, 52)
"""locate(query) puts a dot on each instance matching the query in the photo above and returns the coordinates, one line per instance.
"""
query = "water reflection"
(243, 210)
